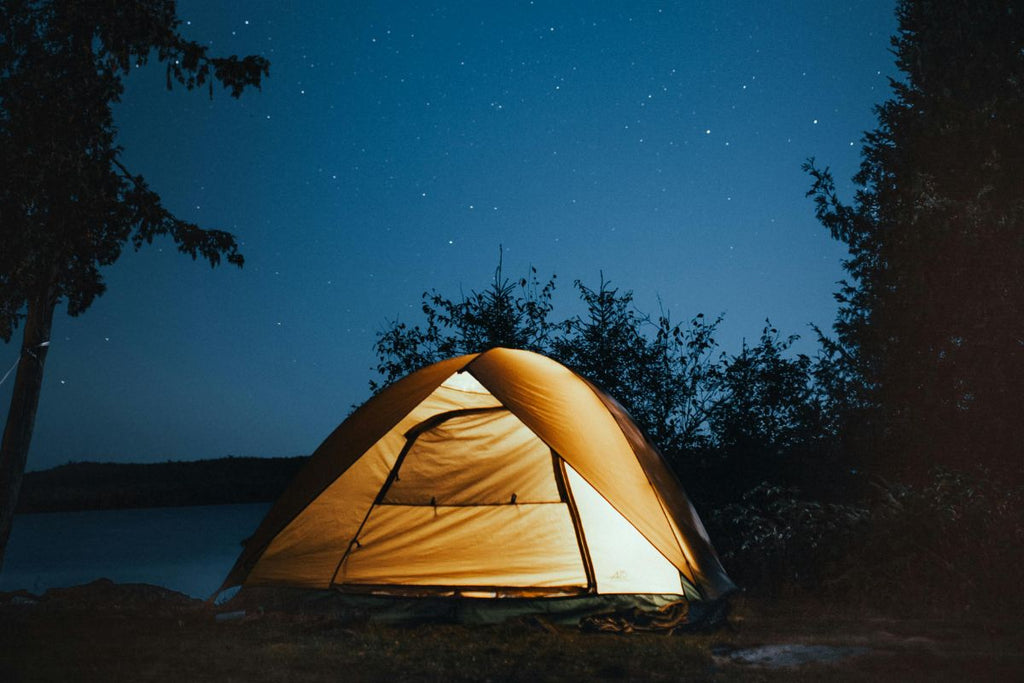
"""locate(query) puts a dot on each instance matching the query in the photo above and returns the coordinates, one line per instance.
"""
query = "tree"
(736, 420)
(68, 206)
(665, 374)
(931, 317)
(606, 345)
(508, 314)
(765, 420)
(683, 380)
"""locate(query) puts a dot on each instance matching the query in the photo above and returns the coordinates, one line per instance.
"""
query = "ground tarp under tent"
(499, 475)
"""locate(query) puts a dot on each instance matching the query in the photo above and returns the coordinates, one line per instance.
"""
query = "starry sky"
(397, 144)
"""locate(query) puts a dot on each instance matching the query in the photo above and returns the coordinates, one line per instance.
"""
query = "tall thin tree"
(68, 205)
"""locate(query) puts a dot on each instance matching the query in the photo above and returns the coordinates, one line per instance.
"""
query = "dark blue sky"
(397, 144)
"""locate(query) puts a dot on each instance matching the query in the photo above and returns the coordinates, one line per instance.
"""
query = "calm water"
(187, 549)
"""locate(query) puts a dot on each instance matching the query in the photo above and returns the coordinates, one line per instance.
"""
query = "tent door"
(565, 493)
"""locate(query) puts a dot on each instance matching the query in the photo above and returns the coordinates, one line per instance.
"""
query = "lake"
(187, 549)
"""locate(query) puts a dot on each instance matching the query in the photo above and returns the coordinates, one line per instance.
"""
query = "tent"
(501, 474)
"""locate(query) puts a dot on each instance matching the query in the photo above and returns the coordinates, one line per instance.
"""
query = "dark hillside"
(99, 486)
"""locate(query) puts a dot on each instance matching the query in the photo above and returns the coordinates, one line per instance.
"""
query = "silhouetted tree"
(663, 373)
(848, 415)
(68, 205)
(765, 422)
(683, 380)
(666, 375)
(736, 420)
(508, 314)
(932, 318)
(606, 344)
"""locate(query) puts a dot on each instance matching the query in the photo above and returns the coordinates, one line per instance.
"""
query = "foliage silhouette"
(506, 313)
(929, 318)
(68, 205)
(766, 423)
(724, 422)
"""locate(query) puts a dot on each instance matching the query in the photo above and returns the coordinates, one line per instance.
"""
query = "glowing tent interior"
(501, 475)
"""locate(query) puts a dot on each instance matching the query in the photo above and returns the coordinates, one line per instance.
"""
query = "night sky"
(396, 145)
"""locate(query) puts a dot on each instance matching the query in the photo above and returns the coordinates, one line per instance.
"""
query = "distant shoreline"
(114, 486)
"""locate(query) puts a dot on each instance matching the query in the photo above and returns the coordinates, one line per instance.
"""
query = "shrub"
(773, 540)
(955, 542)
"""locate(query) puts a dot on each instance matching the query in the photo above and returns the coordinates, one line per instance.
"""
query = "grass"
(113, 633)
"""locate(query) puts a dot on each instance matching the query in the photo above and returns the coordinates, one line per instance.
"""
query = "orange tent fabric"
(494, 474)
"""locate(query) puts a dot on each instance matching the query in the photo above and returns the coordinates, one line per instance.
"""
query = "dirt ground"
(110, 632)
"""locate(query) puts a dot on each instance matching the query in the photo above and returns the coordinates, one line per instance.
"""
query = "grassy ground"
(135, 633)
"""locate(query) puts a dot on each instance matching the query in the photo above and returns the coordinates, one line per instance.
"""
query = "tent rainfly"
(501, 474)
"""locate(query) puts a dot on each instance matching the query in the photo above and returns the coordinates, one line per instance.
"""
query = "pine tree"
(932, 318)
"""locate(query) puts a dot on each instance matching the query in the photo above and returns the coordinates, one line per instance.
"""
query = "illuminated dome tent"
(494, 475)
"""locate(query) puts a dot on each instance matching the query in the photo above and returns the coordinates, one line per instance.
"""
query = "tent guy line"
(27, 350)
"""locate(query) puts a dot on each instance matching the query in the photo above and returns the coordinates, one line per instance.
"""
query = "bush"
(773, 541)
(954, 543)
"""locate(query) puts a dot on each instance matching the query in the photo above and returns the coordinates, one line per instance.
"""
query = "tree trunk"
(21, 418)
